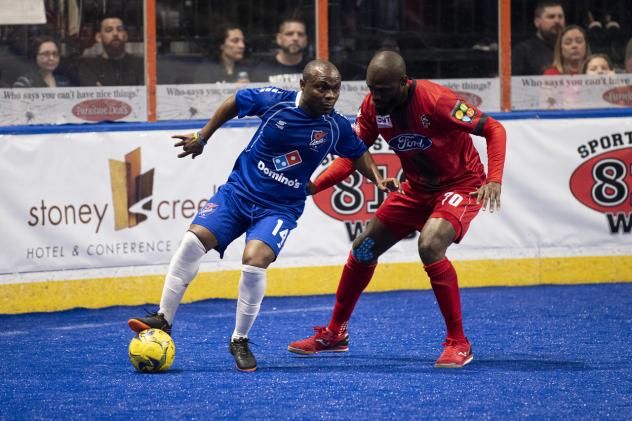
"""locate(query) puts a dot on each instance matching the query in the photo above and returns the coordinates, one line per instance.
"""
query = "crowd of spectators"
(560, 49)
(555, 48)
(226, 60)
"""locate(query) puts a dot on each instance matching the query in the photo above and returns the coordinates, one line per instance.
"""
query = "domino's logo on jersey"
(318, 138)
(290, 159)
(408, 142)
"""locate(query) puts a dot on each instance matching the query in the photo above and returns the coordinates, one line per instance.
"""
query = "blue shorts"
(228, 216)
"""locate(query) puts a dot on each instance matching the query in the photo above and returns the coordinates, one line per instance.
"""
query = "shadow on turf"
(532, 364)
(415, 364)
(337, 363)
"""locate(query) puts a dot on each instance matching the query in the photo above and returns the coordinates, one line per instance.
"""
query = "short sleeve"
(456, 113)
(348, 145)
(255, 102)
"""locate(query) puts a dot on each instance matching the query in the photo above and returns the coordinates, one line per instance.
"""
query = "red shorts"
(404, 213)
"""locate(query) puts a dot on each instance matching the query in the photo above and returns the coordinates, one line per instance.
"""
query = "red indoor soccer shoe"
(323, 341)
(456, 354)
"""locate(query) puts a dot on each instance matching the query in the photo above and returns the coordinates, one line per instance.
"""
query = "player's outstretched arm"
(193, 143)
(339, 170)
(366, 165)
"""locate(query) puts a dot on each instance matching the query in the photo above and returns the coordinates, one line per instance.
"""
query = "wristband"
(199, 139)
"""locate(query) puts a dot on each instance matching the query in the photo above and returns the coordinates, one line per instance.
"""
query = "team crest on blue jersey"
(208, 209)
(290, 159)
(318, 138)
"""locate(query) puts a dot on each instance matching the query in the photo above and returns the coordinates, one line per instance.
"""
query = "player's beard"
(293, 49)
(550, 36)
(115, 48)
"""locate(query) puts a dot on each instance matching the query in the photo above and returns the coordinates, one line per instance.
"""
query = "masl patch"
(463, 112)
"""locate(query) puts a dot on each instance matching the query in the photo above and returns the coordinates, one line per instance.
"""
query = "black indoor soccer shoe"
(243, 357)
(152, 321)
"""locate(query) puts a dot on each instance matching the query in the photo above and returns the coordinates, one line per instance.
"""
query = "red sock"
(446, 289)
(355, 278)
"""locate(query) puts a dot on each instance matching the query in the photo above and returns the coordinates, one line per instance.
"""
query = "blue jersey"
(273, 170)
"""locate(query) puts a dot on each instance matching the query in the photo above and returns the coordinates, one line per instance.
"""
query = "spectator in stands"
(571, 49)
(606, 37)
(286, 66)
(45, 58)
(227, 58)
(597, 64)
(114, 67)
(534, 55)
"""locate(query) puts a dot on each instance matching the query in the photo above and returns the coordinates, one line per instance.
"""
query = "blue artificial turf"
(539, 352)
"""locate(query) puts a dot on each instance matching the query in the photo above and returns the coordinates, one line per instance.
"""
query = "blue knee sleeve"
(364, 252)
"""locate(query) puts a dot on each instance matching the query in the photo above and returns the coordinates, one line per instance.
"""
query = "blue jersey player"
(265, 193)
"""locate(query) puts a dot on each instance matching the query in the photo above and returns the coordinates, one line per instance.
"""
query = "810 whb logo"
(355, 200)
(604, 182)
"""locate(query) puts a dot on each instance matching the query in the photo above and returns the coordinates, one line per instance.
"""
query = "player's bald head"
(386, 66)
(387, 81)
(320, 87)
(316, 69)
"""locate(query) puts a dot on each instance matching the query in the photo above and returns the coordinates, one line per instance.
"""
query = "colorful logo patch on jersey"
(318, 138)
(290, 159)
(208, 209)
(463, 112)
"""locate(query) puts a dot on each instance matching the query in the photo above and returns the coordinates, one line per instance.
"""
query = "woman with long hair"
(571, 49)
(226, 62)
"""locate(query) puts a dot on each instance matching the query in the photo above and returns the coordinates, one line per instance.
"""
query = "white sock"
(182, 269)
(252, 288)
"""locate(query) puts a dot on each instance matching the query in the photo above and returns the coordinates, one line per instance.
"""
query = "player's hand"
(389, 184)
(189, 144)
(489, 195)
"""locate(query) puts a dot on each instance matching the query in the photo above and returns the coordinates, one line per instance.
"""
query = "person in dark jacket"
(114, 67)
(226, 62)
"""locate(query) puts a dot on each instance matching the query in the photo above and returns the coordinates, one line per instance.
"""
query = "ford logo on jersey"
(407, 142)
(290, 159)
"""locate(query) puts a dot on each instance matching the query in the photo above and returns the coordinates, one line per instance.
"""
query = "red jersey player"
(428, 127)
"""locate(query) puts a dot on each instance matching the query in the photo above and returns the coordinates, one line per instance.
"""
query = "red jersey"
(430, 135)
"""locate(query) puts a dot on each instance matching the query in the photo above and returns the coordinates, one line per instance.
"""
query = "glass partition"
(208, 49)
(452, 42)
(69, 67)
(570, 55)
(83, 63)
(440, 39)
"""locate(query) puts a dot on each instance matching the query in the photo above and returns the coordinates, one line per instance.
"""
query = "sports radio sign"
(603, 181)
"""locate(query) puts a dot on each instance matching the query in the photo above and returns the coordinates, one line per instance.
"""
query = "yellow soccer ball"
(151, 351)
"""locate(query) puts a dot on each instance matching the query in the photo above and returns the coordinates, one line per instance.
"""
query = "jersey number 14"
(282, 234)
